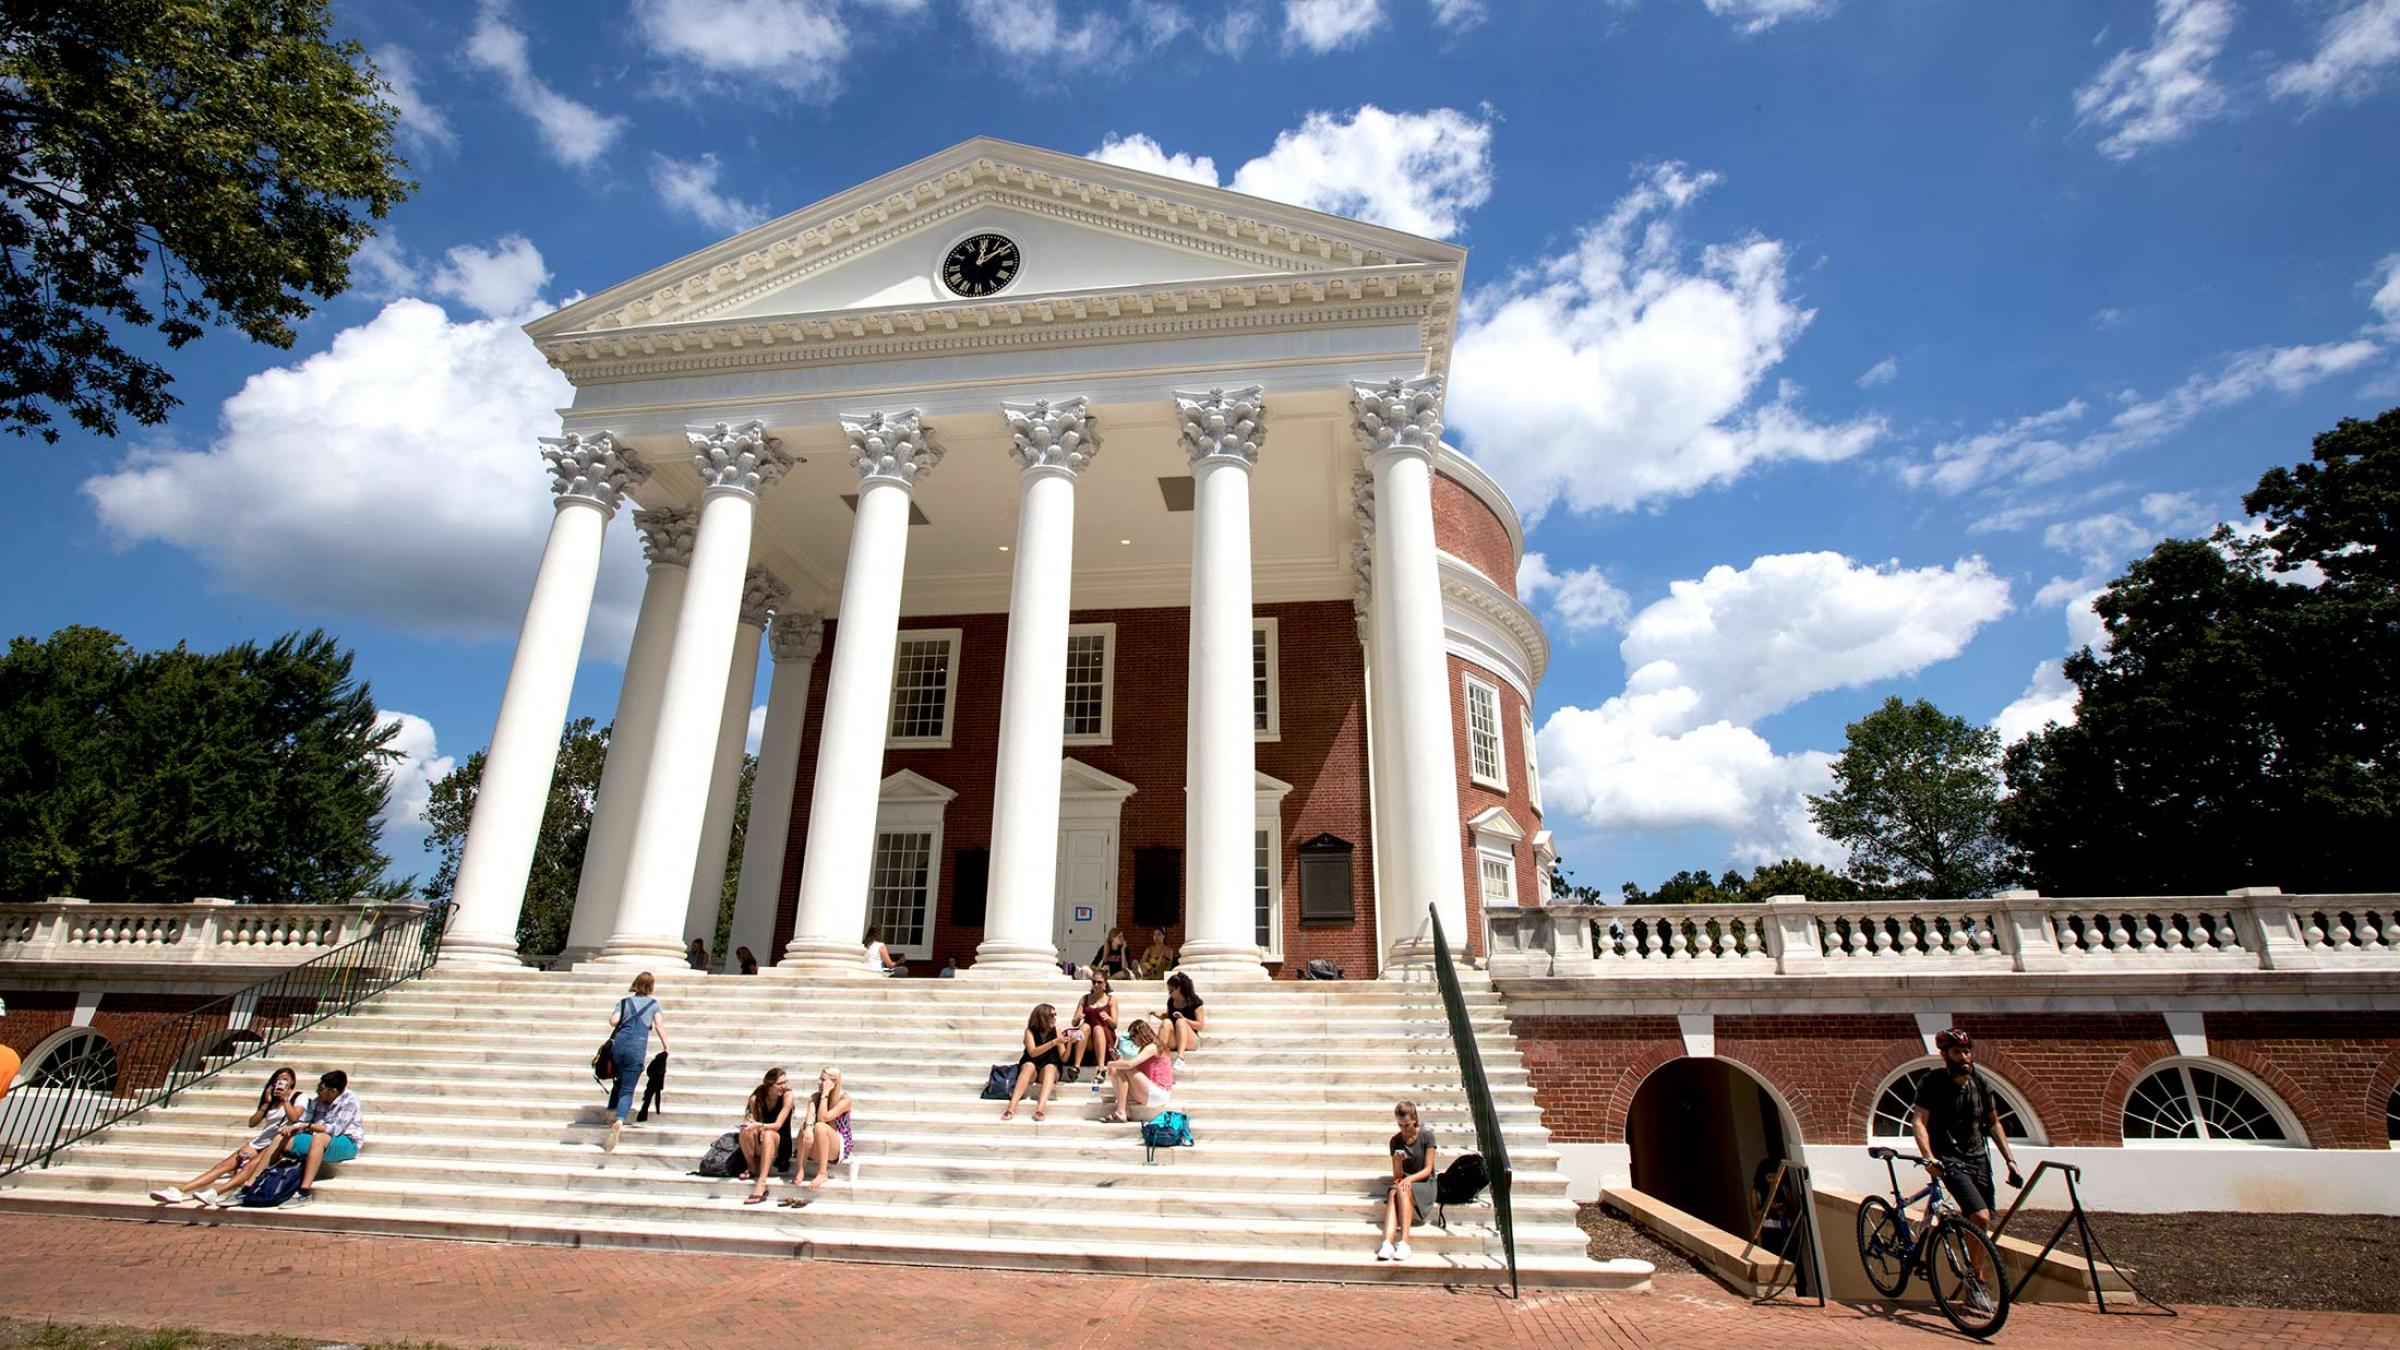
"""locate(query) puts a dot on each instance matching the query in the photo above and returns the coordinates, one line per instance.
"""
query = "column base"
(658, 951)
(573, 957)
(824, 958)
(1222, 961)
(475, 951)
(1013, 961)
(1410, 958)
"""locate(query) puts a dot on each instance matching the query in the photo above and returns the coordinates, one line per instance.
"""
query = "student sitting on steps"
(1411, 1193)
(826, 1138)
(766, 1131)
(1038, 1065)
(1184, 1017)
(1092, 1031)
(279, 1106)
(1145, 1078)
(331, 1129)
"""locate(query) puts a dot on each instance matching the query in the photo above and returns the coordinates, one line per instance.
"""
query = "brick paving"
(330, 1287)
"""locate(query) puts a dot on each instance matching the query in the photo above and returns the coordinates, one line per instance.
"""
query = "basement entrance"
(1698, 1132)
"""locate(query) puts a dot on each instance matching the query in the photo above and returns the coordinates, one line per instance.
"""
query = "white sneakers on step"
(210, 1197)
(169, 1195)
(1390, 1252)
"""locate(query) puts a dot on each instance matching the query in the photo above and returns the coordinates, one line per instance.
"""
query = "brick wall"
(1466, 529)
(1321, 752)
(1474, 797)
(34, 1017)
(2334, 1070)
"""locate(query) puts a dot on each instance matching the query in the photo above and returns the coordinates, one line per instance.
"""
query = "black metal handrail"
(65, 1101)
(1479, 1095)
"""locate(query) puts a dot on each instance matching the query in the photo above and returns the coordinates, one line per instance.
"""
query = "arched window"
(2391, 1117)
(77, 1059)
(1896, 1105)
(2200, 1101)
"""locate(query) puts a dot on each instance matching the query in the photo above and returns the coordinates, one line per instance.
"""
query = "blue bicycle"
(1958, 1260)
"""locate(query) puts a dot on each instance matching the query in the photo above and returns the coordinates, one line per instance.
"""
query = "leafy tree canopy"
(1916, 795)
(2243, 725)
(173, 164)
(254, 773)
(1694, 886)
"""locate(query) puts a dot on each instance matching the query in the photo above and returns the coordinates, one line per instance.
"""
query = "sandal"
(794, 1202)
(1112, 1118)
(752, 1199)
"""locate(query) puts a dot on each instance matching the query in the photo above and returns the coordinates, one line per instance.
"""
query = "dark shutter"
(1157, 887)
(1325, 892)
(970, 878)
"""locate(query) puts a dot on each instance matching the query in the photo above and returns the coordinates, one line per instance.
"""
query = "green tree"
(2239, 729)
(255, 773)
(1915, 799)
(1808, 880)
(558, 850)
(173, 164)
(721, 939)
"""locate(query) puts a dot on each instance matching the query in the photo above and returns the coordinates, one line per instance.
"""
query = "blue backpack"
(276, 1185)
(1167, 1129)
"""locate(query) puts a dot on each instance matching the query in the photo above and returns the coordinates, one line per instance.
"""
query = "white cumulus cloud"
(1042, 28)
(2353, 50)
(1325, 25)
(2385, 300)
(690, 187)
(1675, 748)
(409, 779)
(1584, 601)
(1632, 369)
(393, 477)
(500, 282)
(574, 133)
(420, 121)
(1419, 172)
(757, 731)
(2148, 96)
(2049, 698)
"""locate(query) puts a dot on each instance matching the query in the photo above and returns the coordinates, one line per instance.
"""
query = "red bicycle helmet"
(1952, 1036)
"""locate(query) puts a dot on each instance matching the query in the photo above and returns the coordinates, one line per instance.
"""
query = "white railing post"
(1792, 936)
(2271, 930)
(2026, 934)
(198, 941)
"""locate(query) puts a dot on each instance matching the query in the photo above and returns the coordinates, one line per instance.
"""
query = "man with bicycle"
(1955, 1114)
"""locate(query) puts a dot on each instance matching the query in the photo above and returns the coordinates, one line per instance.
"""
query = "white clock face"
(980, 264)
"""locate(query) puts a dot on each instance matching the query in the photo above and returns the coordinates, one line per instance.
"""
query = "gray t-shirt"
(1413, 1155)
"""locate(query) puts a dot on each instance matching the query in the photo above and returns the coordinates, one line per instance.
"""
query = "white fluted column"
(762, 594)
(590, 476)
(793, 640)
(1221, 432)
(667, 542)
(736, 464)
(1394, 913)
(1398, 425)
(891, 451)
(1053, 442)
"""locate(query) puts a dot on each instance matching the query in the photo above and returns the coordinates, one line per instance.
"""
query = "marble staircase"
(484, 1123)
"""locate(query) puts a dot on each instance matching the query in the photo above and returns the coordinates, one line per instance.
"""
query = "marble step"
(776, 1236)
(689, 984)
(928, 1034)
(1005, 1019)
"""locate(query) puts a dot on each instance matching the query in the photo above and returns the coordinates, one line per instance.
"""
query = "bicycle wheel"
(1883, 1245)
(1969, 1283)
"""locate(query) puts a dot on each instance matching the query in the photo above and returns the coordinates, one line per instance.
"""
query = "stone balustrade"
(199, 933)
(2256, 928)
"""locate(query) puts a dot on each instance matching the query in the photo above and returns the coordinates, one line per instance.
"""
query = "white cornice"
(1492, 628)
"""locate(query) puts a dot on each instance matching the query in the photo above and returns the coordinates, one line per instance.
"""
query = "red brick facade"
(2334, 1071)
(1466, 529)
(1474, 798)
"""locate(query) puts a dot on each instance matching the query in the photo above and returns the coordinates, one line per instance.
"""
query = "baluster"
(2340, 933)
(2144, 935)
(2313, 932)
(2370, 929)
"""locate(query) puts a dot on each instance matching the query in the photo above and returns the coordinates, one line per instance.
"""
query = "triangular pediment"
(907, 785)
(1497, 822)
(1078, 779)
(1084, 229)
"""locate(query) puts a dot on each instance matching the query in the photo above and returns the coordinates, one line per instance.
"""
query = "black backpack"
(1462, 1180)
(1320, 970)
(723, 1157)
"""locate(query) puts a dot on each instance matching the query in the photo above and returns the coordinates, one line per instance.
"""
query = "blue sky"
(1838, 348)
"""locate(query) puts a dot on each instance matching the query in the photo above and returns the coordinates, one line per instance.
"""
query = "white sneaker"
(1400, 1252)
(169, 1195)
(1384, 1253)
(210, 1197)
(1179, 1063)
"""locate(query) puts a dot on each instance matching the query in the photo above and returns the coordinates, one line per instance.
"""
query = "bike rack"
(1793, 1176)
(2093, 1253)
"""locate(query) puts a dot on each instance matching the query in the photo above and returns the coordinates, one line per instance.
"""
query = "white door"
(1087, 891)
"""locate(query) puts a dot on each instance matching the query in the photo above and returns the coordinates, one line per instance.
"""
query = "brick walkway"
(337, 1288)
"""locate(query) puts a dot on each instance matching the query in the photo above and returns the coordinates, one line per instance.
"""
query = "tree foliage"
(173, 164)
(254, 773)
(2243, 726)
(1915, 799)
(1792, 876)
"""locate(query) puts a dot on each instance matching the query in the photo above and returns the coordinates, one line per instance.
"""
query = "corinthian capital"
(1397, 415)
(1362, 501)
(737, 457)
(591, 468)
(1053, 435)
(896, 447)
(1223, 424)
(762, 595)
(667, 534)
(796, 637)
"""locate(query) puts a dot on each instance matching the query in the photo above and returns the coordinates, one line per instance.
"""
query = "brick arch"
(1628, 1084)
(1630, 1079)
(2382, 1085)
(2019, 1077)
(2320, 1129)
(2129, 1069)
(1799, 1109)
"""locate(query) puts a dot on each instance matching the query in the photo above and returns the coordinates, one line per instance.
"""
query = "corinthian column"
(590, 476)
(1393, 909)
(793, 640)
(1398, 424)
(891, 451)
(1053, 442)
(736, 464)
(667, 542)
(1221, 435)
(762, 595)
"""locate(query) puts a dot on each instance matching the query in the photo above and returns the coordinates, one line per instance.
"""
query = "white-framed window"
(1487, 758)
(1496, 835)
(1533, 766)
(924, 687)
(1499, 873)
(1091, 683)
(1895, 1111)
(904, 874)
(1266, 866)
(1266, 711)
(2205, 1101)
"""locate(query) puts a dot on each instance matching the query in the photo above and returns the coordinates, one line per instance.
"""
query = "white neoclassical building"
(1113, 570)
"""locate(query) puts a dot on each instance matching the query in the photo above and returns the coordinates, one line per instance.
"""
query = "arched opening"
(1702, 1133)
(78, 1058)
